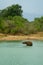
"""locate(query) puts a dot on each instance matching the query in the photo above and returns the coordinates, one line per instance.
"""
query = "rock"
(28, 43)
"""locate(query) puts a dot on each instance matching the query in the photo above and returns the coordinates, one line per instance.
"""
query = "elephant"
(28, 43)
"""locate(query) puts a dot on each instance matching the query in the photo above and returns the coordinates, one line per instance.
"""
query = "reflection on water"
(15, 53)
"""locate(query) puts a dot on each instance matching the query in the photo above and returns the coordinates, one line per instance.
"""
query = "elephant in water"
(28, 43)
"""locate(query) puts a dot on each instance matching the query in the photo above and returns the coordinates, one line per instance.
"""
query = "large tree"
(14, 10)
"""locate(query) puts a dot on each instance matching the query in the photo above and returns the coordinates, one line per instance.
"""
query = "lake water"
(16, 53)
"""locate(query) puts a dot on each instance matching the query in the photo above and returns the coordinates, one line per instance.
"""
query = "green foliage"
(14, 25)
(19, 25)
(14, 10)
(12, 22)
(38, 22)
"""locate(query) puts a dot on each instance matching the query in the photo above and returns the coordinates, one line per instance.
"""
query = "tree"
(38, 23)
(14, 10)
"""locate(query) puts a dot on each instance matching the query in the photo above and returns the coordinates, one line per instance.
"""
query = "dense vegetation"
(14, 10)
(12, 22)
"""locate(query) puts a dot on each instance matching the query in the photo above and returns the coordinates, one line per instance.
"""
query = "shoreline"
(6, 37)
(15, 38)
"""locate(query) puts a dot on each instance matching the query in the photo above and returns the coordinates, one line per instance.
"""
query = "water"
(15, 53)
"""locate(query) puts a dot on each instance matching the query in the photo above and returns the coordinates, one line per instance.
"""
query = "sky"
(28, 6)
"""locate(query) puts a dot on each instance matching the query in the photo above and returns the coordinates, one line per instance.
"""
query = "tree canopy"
(14, 10)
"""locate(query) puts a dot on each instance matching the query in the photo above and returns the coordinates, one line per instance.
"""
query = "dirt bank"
(38, 36)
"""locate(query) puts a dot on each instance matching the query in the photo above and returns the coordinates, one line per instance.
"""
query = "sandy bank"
(38, 36)
(20, 38)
